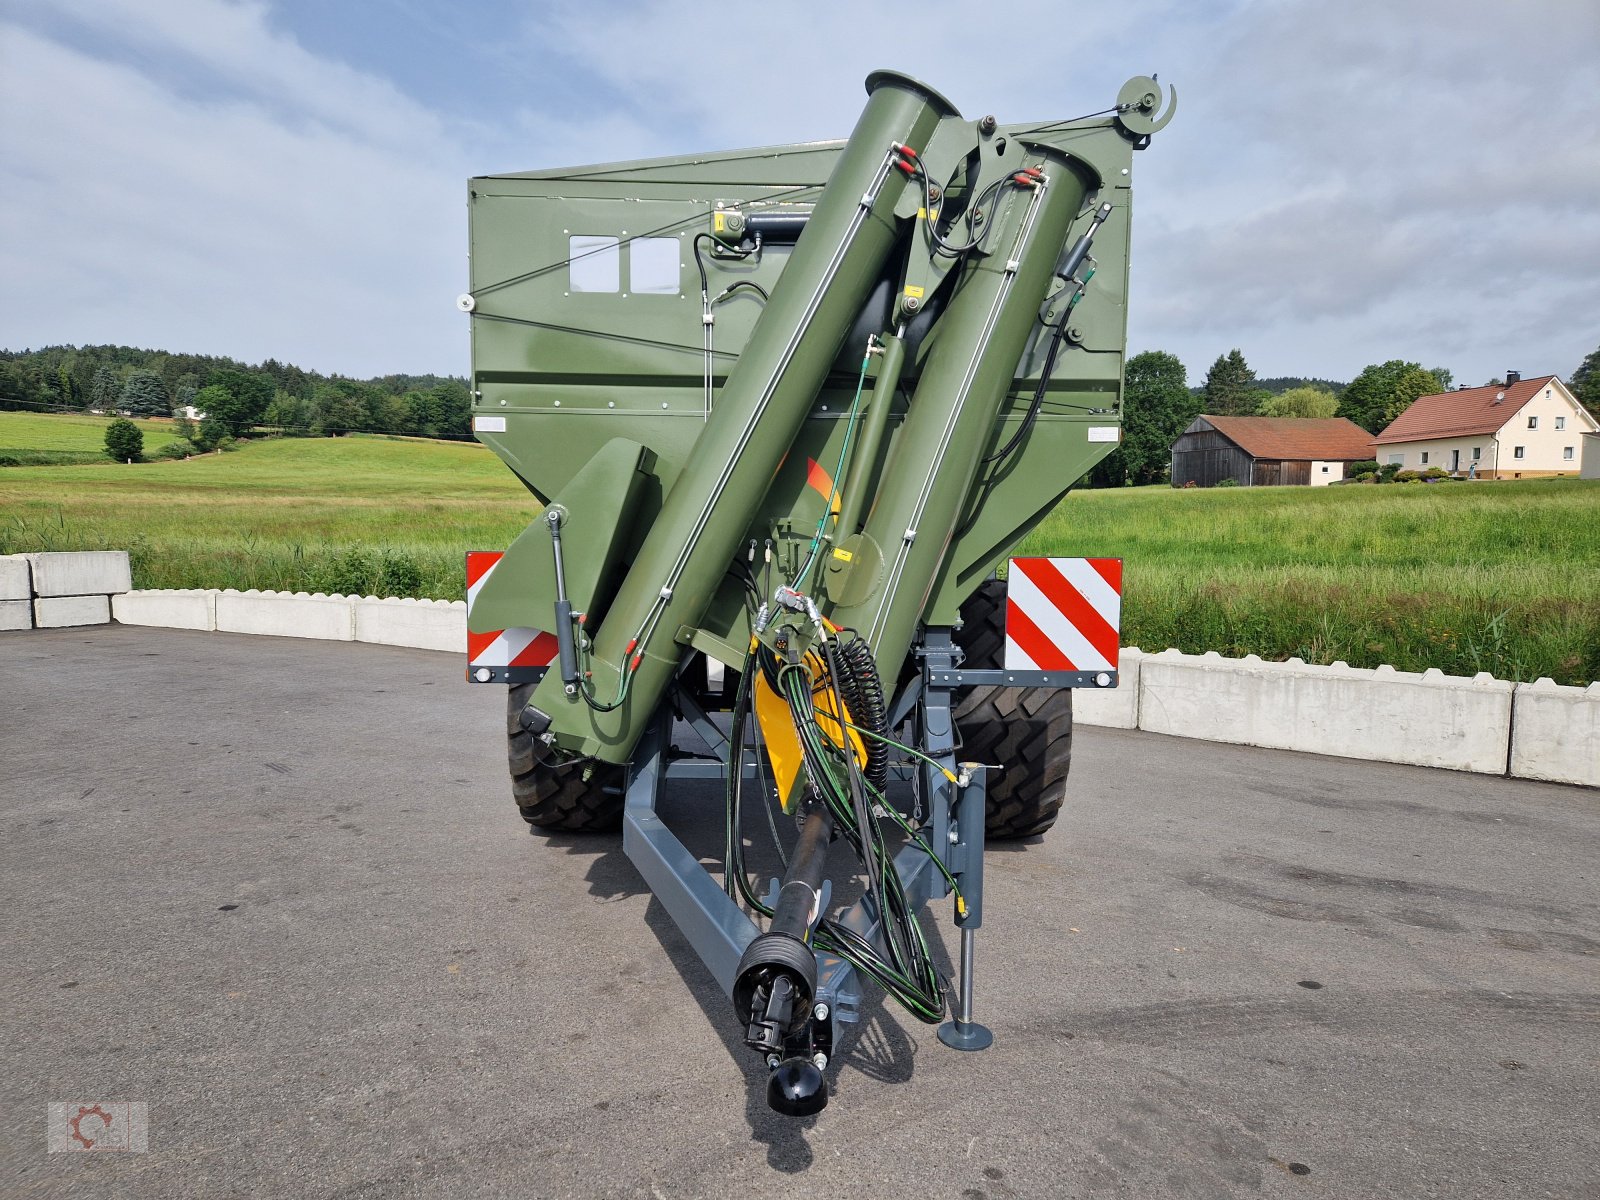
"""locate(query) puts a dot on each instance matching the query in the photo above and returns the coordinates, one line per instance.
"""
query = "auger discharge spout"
(758, 414)
(965, 380)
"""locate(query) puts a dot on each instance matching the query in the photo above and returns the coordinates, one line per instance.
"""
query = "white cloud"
(1366, 181)
(1342, 184)
(313, 217)
(235, 44)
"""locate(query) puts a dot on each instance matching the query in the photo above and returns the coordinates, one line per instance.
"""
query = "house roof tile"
(1462, 413)
(1330, 439)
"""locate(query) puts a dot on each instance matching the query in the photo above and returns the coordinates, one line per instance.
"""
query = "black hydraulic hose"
(1032, 416)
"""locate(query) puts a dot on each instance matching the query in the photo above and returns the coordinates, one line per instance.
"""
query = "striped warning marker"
(502, 655)
(1063, 614)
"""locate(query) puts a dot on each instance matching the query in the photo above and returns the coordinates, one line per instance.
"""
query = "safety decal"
(1063, 614)
(502, 655)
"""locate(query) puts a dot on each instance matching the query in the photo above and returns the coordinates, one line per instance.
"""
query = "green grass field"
(356, 514)
(1499, 577)
(68, 437)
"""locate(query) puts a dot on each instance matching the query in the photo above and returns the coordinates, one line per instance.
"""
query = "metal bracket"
(1001, 678)
(511, 675)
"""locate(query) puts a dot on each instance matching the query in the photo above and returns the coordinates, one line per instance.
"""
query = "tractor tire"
(556, 796)
(1027, 731)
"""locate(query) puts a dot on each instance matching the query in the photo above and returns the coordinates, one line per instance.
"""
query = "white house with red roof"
(1523, 430)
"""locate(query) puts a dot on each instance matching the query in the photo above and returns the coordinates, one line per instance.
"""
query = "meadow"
(48, 439)
(1498, 577)
(362, 515)
(1501, 577)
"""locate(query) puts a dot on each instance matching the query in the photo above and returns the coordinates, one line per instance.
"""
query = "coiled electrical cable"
(862, 690)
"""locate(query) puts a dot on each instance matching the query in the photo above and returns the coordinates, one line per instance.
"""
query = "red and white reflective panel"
(1063, 614)
(502, 647)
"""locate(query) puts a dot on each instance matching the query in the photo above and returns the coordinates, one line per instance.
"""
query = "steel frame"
(719, 929)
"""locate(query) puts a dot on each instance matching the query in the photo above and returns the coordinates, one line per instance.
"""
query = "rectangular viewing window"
(593, 264)
(653, 266)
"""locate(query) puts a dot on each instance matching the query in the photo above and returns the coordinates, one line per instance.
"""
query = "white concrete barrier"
(1555, 733)
(188, 608)
(16, 577)
(286, 614)
(81, 573)
(1431, 719)
(424, 624)
(1118, 707)
(16, 614)
(59, 612)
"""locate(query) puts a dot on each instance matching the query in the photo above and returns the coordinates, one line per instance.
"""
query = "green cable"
(918, 840)
(838, 472)
(911, 978)
(931, 761)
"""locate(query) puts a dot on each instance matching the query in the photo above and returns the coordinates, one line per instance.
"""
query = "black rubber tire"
(1028, 731)
(557, 796)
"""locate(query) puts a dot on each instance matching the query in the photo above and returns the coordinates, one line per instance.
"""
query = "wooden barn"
(1267, 451)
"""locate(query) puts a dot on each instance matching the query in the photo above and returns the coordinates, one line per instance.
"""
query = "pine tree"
(145, 396)
(1230, 388)
(70, 395)
(106, 390)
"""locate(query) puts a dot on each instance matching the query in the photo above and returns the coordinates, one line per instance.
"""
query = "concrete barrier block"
(16, 577)
(1555, 733)
(170, 609)
(1116, 707)
(81, 573)
(282, 614)
(422, 624)
(58, 612)
(16, 614)
(1432, 720)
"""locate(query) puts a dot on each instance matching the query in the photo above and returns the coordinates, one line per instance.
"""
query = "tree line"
(1158, 404)
(236, 397)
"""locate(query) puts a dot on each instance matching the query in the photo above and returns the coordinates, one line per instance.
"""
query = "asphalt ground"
(275, 889)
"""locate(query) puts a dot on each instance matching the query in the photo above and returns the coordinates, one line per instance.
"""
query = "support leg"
(964, 1033)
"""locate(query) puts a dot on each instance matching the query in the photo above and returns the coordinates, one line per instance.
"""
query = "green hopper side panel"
(588, 329)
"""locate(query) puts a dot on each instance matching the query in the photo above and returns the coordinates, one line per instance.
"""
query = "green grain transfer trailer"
(786, 413)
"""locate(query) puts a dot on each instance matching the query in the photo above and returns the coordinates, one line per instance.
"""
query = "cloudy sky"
(1343, 183)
